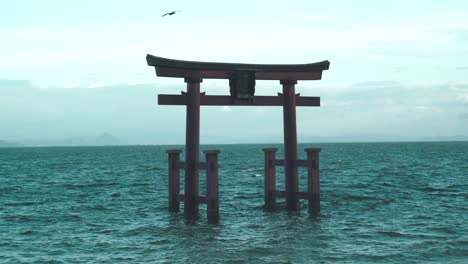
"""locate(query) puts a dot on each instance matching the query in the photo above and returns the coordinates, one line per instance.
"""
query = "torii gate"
(242, 79)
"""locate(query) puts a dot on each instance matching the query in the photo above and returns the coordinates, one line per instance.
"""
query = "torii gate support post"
(290, 144)
(212, 193)
(313, 175)
(192, 148)
(270, 178)
(174, 180)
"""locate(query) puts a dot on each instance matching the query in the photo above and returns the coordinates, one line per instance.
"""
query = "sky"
(71, 71)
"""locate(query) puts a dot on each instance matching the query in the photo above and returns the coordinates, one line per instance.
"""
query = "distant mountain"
(6, 144)
(453, 138)
(74, 142)
(104, 139)
(376, 138)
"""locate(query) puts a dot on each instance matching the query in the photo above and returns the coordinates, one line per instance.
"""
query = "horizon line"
(272, 143)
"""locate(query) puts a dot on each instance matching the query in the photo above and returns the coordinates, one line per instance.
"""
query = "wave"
(436, 189)
(391, 233)
(9, 189)
(21, 204)
(90, 185)
(153, 169)
(26, 232)
(99, 207)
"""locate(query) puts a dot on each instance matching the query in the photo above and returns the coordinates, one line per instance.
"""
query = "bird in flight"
(171, 13)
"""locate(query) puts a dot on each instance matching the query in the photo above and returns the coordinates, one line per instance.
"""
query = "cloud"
(463, 116)
(130, 113)
(464, 98)
(400, 69)
(422, 108)
(226, 109)
(14, 84)
(59, 53)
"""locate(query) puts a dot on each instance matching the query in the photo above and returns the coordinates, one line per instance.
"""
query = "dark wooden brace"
(174, 99)
(212, 194)
(313, 178)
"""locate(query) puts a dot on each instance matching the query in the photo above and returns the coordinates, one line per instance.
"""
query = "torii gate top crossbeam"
(216, 70)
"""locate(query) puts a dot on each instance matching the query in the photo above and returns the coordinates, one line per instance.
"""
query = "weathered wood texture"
(216, 70)
(313, 175)
(174, 180)
(270, 178)
(175, 99)
(212, 193)
(290, 144)
(192, 148)
(221, 66)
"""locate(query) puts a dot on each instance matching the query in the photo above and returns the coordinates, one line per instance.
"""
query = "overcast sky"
(77, 69)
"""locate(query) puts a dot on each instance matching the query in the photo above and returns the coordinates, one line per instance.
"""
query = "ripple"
(99, 207)
(90, 185)
(18, 218)
(27, 232)
(391, 233)
(153, 169)
(435, 189)
(21, 204)
(10, 189)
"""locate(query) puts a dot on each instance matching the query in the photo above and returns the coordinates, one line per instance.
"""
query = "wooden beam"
(202, 65)
(300, 195)
(183, 73)
(174, 179)
(288, 75)
(301, 163)
(303, 195)
(279, 162)
(270, 178)
(226, 74)
(200, 199)
(280, 194)
(172, 99)
(202, 165)
(181, 165)
(297, 163)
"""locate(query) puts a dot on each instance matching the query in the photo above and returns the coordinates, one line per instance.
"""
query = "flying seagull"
(171, 13)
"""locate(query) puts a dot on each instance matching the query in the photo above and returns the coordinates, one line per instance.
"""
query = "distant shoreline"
(221, 144)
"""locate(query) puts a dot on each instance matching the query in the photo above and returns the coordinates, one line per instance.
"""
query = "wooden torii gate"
(242, 79)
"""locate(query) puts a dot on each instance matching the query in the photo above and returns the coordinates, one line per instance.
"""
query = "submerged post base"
(212, 194)
(313, 176)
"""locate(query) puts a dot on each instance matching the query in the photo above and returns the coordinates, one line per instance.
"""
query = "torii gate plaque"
(242, 79)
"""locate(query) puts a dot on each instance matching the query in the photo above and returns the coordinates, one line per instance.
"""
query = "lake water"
(381, 202)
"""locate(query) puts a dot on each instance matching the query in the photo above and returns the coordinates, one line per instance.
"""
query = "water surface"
(381, 202)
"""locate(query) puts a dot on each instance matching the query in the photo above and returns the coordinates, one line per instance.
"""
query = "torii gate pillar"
(192, 147)
(290, 144)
